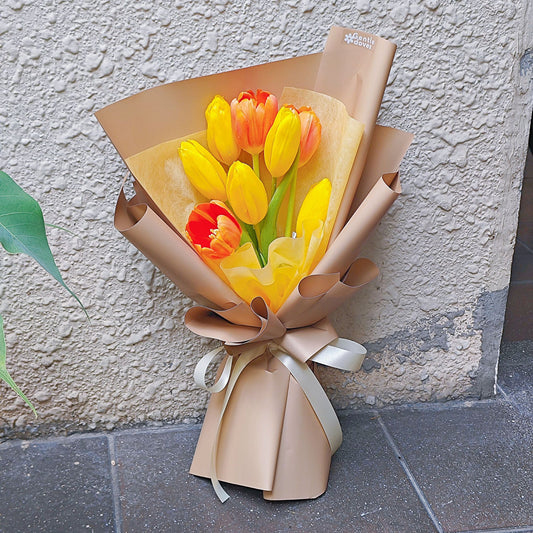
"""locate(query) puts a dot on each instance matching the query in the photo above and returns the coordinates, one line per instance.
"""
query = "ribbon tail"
(227, 379)
(316, 396)
(200, 371)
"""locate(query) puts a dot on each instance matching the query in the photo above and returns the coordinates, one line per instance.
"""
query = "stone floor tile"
(368, 490)
(474, 465)
(515, 374)
(56, 486)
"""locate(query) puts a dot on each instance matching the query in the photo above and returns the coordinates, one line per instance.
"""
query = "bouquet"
(256, 204)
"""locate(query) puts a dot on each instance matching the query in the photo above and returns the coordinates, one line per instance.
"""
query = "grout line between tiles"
(115, 485)
(503, 393)
(512, 402)
(410, 476)
(62, 439)
(519, 529)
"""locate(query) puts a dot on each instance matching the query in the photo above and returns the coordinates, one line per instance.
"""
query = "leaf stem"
(249, 235)
(268, 226)
(292, 197)
(256, 166)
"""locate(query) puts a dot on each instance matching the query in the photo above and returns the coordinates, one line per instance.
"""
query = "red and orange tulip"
(252, 115)
(213, 230)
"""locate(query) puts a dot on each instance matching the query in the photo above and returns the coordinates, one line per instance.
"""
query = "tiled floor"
(464, 466)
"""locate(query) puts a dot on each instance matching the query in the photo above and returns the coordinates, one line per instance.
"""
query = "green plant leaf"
(22, 228)
(4, 374)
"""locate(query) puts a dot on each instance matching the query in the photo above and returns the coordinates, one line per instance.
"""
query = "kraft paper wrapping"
(270, 438)
(360, 86)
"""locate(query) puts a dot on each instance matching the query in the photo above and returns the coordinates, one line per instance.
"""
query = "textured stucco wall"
(432, 321)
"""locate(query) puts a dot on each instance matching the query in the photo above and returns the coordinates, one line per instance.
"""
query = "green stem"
(292, 197)
(255, 163)
(248, 235)
(268, 226)
(250, 231)
(274, 185)
(245, 236)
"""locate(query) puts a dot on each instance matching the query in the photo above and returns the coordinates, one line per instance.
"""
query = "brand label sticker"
(359, 40)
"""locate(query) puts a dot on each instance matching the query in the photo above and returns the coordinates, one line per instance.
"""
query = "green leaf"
(22, 228)
(4, 374)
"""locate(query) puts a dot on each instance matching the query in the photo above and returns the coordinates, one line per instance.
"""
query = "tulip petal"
(213, 230)
(315, 205)
(220, 137)
(246, 193)
(282, 141)
(204, 172)
(252, 116)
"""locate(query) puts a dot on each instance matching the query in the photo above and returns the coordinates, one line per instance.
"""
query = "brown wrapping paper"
(257, 404)
(354, 68)
(270, 437)
(171, 254)
(280, 425)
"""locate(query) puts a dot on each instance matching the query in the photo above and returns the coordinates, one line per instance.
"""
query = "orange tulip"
(252, 115)
(310, 134)
(213, 230)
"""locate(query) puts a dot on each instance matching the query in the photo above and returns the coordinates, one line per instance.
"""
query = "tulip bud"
(220, 137)
(213, 230)
(282, 141)
(246, 193)
(310, 135)
(204, 172)
(315, 204)
(252, 115)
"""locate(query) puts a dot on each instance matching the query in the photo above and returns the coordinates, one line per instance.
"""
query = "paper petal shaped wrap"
(268, 433)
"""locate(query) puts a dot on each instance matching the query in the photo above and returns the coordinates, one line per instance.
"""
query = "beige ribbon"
(343, 354)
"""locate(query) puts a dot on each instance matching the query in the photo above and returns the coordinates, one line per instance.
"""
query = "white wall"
(432, 321)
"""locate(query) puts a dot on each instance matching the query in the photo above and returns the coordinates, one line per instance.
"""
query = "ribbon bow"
(340, 353)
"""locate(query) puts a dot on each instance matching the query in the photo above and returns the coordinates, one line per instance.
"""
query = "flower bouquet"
(256, 204)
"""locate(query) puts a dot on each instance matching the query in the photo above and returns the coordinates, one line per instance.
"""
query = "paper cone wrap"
(271, 427)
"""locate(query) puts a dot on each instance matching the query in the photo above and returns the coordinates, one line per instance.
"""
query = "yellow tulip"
(204, 172)
(220, 136)
(246, 193)
(283, 141)
(315, 205)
